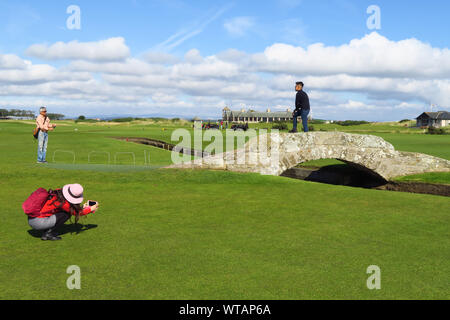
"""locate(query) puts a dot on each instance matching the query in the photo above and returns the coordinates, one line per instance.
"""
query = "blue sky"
(146, 23)
(207, 29)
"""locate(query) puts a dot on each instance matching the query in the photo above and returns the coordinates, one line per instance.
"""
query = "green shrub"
(433, 130)
(129, 119)
(56, 116)
(156, 120)
(86, 120)
(279, 125)
(351, 123)
(404, 120)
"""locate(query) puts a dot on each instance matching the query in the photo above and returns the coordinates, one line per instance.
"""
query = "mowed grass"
(432, 177)
(80, 145)
(170, 234)
(97, 131)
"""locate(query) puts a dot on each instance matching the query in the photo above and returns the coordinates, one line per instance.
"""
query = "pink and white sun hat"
(73, 193)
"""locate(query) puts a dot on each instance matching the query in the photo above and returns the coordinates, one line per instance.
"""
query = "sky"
(378, 60)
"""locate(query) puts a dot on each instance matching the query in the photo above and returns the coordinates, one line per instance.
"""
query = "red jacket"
(50, 209)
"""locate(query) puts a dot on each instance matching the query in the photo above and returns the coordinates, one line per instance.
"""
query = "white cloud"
(34, 74)
(437, 90)
(351, 104)
(193, 56)
(232, 55)
(131, 66)
(113, 49)
(373, 55)
(208, 68)
(239, 26)
(362, 77)
(154, 57)
(11, 61)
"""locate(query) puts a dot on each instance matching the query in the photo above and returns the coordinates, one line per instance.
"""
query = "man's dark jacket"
(302, 101)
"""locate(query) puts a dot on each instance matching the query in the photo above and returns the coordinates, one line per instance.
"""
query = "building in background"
(434, 119)
(252, 116)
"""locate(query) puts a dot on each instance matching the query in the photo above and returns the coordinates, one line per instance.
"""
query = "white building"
(251, 116)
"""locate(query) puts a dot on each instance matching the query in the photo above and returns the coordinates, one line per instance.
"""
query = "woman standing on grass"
(62, 204)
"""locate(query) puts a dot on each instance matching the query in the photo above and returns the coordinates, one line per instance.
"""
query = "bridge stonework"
(367, 152)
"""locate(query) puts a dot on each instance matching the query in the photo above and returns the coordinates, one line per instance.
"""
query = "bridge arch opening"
(337, 172)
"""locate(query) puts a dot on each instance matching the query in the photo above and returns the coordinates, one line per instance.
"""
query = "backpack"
(36, 132)
(35, 202)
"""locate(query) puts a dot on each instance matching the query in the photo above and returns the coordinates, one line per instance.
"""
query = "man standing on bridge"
(302, 107)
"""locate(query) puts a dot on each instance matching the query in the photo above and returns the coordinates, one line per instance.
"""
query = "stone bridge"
(287, 150)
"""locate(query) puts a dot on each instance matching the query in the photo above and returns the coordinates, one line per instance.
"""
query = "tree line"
(4, 113)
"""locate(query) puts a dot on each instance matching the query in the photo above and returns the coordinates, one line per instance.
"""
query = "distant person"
(44, 126)
(302, 107)
(61, 205)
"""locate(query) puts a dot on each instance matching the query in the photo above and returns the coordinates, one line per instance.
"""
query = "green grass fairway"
(171, 234)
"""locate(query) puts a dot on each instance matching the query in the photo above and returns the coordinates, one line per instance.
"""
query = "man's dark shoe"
(50, 235)
(293, 131)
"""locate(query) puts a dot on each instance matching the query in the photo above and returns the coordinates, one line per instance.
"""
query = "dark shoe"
(50, 235)
(293, 131)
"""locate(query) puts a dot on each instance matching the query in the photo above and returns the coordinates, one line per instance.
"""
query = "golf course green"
(174, 234)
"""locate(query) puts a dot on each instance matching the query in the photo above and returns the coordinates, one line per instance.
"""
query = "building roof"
(440, 115)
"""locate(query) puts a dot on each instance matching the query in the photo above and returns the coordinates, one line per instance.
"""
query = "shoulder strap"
(51, 195)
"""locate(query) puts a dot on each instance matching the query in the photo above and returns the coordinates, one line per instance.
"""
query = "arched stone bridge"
(369, 153)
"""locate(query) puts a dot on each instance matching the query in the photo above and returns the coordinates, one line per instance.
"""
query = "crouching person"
(48, 210)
